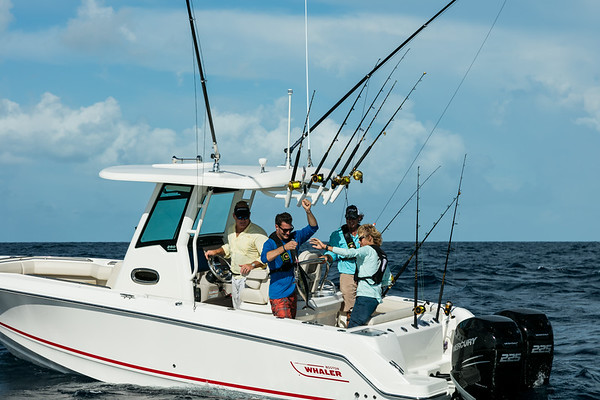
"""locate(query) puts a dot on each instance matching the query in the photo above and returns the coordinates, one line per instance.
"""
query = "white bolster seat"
(257, 287)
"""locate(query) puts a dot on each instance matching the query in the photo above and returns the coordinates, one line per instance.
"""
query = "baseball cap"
(241, 211)
(352, 212)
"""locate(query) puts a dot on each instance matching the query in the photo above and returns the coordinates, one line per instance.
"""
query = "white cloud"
(5, 15)
(514, 60)
(553, 67)
(97, 28)
(251, 44)
(93, 134)
(591, 104)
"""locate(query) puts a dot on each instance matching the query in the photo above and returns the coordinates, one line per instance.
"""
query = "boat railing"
(195, 233)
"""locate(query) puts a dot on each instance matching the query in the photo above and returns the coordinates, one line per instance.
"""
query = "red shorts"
(285, 307)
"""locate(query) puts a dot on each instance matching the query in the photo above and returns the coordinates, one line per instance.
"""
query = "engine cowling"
(496, 356)
(539, 344)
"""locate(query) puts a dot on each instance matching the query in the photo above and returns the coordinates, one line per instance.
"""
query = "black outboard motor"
(487, 358)
(539, 344)
(496, 356)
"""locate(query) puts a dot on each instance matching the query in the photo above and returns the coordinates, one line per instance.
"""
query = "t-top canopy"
(235, 177)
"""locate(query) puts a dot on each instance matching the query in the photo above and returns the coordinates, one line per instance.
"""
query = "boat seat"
(390, 316)
(391, 310)
(257, 287)
(72, 269)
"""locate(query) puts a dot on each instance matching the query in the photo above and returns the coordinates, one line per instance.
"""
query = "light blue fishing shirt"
(344, 264)
(368, 263)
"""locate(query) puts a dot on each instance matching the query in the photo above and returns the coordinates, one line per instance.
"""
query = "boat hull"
(110, 336)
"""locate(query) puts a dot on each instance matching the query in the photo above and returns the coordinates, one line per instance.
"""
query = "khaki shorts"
(348, 288)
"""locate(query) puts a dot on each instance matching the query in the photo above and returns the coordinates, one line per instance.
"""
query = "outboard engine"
(496, 356)
(487, 360)
(539, 344)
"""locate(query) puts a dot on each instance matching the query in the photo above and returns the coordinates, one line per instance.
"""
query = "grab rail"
(196, 232)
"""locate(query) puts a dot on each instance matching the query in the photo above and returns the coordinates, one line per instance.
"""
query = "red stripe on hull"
(163, 373)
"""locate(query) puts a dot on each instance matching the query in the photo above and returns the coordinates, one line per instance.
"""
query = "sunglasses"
(286, 230)
(242, 217)
(361, 238)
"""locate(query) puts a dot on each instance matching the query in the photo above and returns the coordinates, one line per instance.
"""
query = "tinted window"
(217, 213)
(166, 216)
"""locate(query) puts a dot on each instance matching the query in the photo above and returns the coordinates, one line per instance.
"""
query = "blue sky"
(87, 84)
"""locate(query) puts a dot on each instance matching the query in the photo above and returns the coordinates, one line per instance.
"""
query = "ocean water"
(560, 279)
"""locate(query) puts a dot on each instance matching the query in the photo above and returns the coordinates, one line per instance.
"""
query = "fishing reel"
(448, 308)
(418, 310)
(294, 185)
(340, 180)
(316, 178)
(358, 176)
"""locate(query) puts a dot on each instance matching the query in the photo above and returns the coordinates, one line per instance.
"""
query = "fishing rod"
(315, 176)
(216, 155)
(405, 265)
(444, 111)
(415, 324)
(293, 183)
(301, 279)
(364, 116)
(360, 124)
(370, 73)
(357, 174)
(437, 314)
(341, 179)
(409, 199)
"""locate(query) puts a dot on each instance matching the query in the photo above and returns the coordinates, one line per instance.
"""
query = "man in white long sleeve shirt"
(244, 243)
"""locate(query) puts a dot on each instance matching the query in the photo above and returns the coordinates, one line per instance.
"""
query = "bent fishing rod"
(315, 176)
(331, 172)
(216, 155)
(405, 265)
(409, 199)
(343, 179)
(370, 73)
(382, 132)
(437, 314)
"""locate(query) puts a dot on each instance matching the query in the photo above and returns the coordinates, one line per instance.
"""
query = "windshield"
(166, 216)
(217, 213)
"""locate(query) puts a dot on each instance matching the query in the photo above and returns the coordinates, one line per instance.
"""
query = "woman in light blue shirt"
(371, 273)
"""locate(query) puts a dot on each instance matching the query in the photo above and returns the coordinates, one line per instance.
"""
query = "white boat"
(156, 319)
(152, 319)
(161, 316)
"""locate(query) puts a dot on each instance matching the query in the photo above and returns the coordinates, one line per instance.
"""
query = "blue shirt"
(345, 265)
(283, 283)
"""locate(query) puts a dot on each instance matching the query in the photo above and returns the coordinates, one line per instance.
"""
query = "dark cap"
(352, 212)
(241, 211)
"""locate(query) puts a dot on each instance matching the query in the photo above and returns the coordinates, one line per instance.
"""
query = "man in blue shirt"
(346, 237)
(280, 253)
